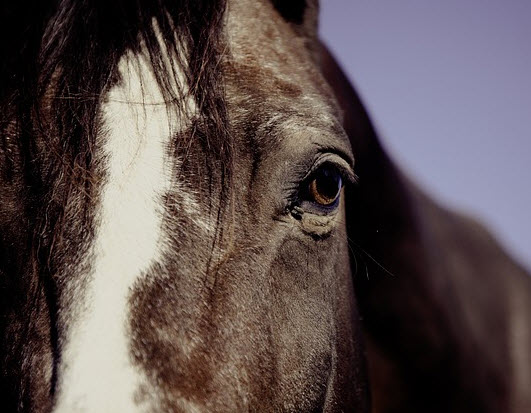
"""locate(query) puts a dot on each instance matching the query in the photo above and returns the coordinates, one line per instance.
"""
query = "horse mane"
(58, 60)
(60, 57)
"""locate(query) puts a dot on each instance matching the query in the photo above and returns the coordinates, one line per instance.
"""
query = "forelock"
(67, 58)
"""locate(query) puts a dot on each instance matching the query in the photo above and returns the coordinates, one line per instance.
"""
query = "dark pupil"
(328, 183)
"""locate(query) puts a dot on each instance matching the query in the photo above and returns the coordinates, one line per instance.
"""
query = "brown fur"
(254, 305)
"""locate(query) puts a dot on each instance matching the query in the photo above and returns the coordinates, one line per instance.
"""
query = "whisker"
(351, 243)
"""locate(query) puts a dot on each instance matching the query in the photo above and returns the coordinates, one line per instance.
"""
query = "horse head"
(196, 215)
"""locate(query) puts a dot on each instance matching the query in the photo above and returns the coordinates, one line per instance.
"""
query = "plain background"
(448, 86)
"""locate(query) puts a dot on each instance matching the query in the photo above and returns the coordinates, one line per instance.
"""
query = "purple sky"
(448, 86)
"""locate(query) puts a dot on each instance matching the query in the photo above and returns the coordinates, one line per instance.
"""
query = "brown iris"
(325, 187)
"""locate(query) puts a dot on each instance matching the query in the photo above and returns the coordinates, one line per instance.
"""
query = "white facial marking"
(97, 373)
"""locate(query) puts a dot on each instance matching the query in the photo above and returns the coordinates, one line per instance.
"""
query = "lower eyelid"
(309, 208)
(318, 225)
(325, 210)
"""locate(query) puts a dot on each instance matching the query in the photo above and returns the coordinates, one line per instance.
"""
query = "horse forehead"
(258, 36)
(270, 67)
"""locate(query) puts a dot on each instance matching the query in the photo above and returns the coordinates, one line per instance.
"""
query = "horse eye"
(325, 187)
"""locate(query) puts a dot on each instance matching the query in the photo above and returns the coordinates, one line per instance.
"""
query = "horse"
(196, 215)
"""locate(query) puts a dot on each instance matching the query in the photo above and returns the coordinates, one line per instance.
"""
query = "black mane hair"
(70, 49)
(58, 58)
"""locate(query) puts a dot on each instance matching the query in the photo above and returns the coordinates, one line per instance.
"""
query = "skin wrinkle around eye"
(311, 143)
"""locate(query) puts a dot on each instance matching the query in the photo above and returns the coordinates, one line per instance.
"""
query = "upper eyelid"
(337, 160)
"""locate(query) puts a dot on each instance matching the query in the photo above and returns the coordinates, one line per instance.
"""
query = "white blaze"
(97, 373)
